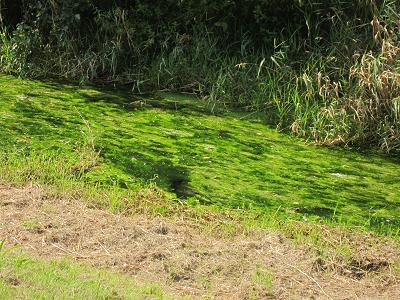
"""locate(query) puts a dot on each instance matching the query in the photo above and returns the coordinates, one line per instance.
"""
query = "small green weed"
(31, 225)
(263, 278)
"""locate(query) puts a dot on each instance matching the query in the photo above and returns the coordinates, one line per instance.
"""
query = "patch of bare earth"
(188, 260)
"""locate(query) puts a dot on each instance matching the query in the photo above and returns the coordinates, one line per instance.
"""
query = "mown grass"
(24, 277)
(165, 153)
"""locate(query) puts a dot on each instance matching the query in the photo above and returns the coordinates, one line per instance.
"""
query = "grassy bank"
(212, 256)
(166, 153)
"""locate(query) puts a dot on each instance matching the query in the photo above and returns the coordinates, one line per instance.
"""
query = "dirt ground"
(186, 259)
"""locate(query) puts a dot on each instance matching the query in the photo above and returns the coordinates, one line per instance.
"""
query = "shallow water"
(226, 159)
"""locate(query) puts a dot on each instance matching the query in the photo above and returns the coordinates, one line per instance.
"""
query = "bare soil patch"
(189, 260)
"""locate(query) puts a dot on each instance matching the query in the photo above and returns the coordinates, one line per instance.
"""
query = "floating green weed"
(109, 138)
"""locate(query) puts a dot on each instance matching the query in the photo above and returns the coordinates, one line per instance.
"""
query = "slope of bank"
(181, 257)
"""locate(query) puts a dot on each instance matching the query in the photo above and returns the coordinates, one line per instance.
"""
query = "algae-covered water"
(226, 159)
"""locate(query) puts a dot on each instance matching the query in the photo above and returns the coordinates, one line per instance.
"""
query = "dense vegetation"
(205, 197)
(327, 70)
(56, 134)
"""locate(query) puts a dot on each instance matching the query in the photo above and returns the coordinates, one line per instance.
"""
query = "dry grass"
(367, 104)
(192, 260)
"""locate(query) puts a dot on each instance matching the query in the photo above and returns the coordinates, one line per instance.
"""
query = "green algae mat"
(225, 159)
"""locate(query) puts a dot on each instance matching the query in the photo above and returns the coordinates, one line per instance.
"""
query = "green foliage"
(113, 148)
(312, 67)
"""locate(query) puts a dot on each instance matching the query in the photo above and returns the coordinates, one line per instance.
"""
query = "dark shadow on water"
(322, 212)
(166, 174)
(126, 100)
(35, 121)
(379, 222)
